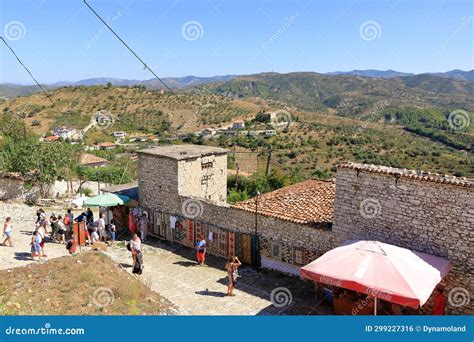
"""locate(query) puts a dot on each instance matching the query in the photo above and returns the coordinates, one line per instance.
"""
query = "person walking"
(135, 247)
(89, 216)
(201, 250)
(35, 244)
(7, 232)
(42, 235)
(61, 231)
(40, 216)
(53, 220)
(113, 230)
(68, 222)
(232, 273)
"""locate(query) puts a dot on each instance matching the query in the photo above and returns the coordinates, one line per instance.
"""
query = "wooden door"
(247, 248)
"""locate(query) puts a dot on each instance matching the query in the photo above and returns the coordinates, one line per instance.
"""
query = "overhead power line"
(145, 66)
(27, 70)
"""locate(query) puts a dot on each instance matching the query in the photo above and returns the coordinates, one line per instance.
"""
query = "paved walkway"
(171, 271)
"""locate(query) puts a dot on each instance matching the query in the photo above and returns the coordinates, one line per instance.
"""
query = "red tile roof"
(51, 138)
(310, 203)
(412, 174)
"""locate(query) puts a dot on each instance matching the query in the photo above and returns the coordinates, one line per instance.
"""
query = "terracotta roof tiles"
(309, 203)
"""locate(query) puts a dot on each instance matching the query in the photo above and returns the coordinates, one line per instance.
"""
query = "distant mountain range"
(9, 90)
(351, 95)
(456, 73)
(172, 82)
(453, 81)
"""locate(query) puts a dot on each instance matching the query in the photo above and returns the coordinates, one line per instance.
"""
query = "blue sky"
(63, 41)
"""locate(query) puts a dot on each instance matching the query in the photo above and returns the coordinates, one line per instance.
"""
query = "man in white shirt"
(101, 228)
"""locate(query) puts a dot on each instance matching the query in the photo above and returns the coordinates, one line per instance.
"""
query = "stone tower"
(196, 171)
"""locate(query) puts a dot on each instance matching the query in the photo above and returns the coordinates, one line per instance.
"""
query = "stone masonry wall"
(433, 218)
(209, 183)
(157, 178)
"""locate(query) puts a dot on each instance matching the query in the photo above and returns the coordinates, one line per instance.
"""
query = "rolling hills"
(336, 118)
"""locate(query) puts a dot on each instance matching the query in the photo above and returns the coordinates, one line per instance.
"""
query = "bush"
(87, 191)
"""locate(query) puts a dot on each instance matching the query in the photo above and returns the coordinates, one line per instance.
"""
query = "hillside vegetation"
(133, 109)
(351, 96)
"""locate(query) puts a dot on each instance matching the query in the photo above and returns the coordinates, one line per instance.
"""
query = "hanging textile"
(230, 244)
(287, 253)
(190, 235)
(173, 222)
(132, 226)
(222, 243)
(298, 256)
(265, 246)
(309, 256)
(209, 237)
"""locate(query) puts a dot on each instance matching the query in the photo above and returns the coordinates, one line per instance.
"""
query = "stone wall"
(421, 215)
(15, 190)
(208, 182)
(165, 177)
(157, 178)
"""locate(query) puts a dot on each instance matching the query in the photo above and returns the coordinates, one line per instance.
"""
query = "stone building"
(184, 170)
(184, 189)
(417, 210)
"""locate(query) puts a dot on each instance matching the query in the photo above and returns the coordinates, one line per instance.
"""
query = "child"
(7, 231)
(71, 245)
(94, 236)
(35, 245)
(201, 250)
(113, 229)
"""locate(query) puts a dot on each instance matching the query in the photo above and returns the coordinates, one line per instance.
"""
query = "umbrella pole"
(375, 306)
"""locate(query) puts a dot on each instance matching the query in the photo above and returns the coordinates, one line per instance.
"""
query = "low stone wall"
(15, 190)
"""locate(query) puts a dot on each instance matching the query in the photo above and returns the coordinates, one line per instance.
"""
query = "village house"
(206, 132)
(184, 187)
(51, 138)
(107, 146)
(119, 134)
(64, 132)
(239, 124)
(90, 160)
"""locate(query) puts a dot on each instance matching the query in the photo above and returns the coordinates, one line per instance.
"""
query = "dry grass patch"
(89, 284)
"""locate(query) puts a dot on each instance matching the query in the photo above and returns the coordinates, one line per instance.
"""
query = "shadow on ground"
(22, 256)
(211, 293)
(261, 283)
